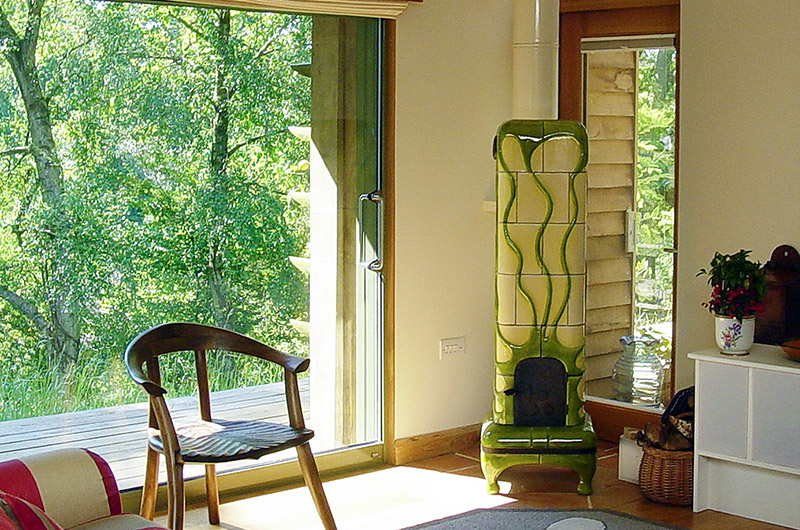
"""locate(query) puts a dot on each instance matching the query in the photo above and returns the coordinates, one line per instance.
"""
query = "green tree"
(169, 128)
(52, 308)
(655, 177)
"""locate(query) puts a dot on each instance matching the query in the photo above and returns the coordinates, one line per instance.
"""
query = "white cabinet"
(747, 435)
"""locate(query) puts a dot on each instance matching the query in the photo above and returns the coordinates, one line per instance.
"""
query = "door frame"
(614, 18)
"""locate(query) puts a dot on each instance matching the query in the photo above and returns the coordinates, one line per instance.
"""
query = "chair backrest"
(72, 486)
(183, 336)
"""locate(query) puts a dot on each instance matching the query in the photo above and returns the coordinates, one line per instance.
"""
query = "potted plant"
(738, 287)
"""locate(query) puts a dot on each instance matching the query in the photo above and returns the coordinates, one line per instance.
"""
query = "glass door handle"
(375, 196)
(670, 250)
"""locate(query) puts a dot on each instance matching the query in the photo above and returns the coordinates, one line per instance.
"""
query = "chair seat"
(225, 441)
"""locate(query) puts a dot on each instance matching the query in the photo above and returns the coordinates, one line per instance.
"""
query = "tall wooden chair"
(210, 441)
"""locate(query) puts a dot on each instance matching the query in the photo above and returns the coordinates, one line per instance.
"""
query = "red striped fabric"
(29, 516)
(109, 482)
(17, 479)
(6, 523)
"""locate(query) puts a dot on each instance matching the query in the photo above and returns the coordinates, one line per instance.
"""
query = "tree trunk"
(218, 288)
(63, 326)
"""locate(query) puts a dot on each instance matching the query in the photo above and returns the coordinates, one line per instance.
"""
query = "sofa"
(66, 489)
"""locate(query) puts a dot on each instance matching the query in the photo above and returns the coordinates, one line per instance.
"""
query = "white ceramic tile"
(571, 336)
(560, 295)
(502, 382)
(577, 297)
(561, 154)
(498, 406)
(537, 159)
(506, 299)
(511, 155)
(532, 200)
(536, 288)
(502, 353)
(524, 316)
(506, 258)
(576, 250)
(524, 236)
(516, 335)
(580, 191)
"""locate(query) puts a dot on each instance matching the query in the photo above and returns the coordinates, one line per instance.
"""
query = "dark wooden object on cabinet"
(779, 319)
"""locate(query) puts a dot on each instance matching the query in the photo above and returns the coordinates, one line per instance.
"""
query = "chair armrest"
(295, 364)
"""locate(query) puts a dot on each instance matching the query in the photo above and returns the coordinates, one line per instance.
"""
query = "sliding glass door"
(168, 163)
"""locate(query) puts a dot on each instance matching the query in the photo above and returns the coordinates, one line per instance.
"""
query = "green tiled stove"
(540, 264)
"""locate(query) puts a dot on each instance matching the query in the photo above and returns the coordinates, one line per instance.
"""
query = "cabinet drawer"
(721, 401)
(776, 418)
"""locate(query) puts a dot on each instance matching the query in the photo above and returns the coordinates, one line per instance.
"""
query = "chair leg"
(147, 507)
(212, 494)
(311, 476)
(176, 502)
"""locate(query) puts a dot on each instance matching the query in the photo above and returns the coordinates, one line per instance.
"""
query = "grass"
(30, 388)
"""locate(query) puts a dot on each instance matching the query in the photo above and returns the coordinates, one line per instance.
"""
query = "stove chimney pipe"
(535, 59)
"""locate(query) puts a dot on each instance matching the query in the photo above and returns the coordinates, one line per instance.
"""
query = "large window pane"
(159, 162)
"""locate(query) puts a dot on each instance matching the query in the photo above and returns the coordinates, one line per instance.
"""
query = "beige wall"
(453, 90)
(739, 178)
(739, 145)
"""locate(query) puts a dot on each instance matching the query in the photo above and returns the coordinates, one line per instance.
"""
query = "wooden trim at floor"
(609, 421)
(434, 444)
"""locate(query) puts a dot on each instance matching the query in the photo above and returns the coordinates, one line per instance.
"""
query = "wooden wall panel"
(606, 319)
(601, 366)
(610, 199)
(612, 127)
(610, 175)
(611, 151)
(609, 295)
(610, 115)
(611, 104)
(603, 342)
(609, 270)
(605, 224)
(605, 247)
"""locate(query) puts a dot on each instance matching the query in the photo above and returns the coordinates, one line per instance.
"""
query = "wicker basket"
(666, 476)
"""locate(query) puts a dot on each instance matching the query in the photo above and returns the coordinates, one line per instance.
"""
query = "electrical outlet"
(451, 346)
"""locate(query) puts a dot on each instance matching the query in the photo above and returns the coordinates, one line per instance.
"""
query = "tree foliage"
(166, 193)
(655, 184)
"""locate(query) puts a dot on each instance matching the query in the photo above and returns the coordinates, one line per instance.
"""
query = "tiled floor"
(395, 498)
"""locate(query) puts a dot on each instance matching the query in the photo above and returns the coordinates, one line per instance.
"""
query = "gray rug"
(519, 519)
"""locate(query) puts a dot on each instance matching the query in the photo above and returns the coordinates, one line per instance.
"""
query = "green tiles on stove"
(540, 269)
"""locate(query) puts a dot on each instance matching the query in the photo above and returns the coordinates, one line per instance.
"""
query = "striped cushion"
(71, 485)
(24, 515)
(126, 521)
(7, 521)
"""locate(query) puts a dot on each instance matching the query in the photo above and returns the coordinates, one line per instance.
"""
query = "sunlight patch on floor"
(389, 499)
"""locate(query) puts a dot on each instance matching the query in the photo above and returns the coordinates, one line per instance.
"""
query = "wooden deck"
(118, 434)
